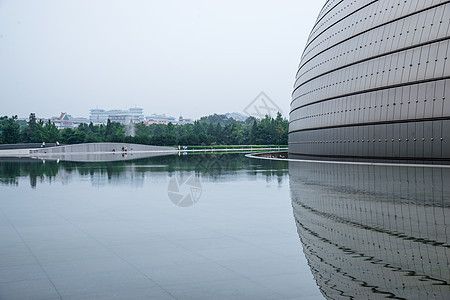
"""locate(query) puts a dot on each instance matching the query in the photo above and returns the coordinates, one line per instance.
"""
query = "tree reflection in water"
(212, 166)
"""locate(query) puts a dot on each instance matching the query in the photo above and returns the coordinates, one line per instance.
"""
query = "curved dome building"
(374, 82)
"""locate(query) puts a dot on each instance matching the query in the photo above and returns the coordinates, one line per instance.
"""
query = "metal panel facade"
(374, 82)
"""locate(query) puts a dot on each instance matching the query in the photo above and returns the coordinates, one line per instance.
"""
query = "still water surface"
(371, 232)
(222, 227)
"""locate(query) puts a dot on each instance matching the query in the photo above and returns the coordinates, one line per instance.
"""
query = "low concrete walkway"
(80, 149)
(108, 148)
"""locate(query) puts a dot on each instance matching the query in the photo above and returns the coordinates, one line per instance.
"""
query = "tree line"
(210, 130)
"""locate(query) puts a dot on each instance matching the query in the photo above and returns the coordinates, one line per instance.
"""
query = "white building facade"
(101, 116)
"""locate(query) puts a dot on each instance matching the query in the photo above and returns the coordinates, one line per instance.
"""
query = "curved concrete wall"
(24, 146)
(96, 152)
(102, 147)
(374, 82)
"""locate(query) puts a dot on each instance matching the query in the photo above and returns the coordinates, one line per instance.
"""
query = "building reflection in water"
(374, 231)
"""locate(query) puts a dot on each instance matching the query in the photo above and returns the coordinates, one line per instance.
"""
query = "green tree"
(32, 133)
(84, 127)
(109, 129)
(77, 137)
(170, 129)
(157, 140)
(281, 130)
(170, 140)
(118, 135)
(214, 129)
(10, 130)
(114, 132)
(218, 133)
(91, 138)
(50, 133)
(254, 133)
(66, 135)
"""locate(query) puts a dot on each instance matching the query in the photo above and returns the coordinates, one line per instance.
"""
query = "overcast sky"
(175, 57)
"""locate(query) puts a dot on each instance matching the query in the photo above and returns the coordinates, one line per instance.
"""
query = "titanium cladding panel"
(374, 82)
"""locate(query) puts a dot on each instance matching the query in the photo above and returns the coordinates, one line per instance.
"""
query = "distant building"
(24, 120)
(101, 116)
(67, 121)
(159, 119)
(183, 121)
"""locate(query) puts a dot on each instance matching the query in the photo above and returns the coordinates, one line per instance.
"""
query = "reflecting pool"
(169, 227)
(222, 226)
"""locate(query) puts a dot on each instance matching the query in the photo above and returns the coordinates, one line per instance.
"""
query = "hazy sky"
(175, 57)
